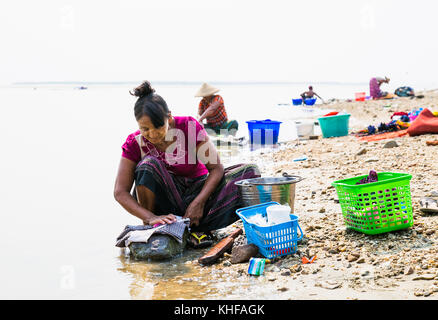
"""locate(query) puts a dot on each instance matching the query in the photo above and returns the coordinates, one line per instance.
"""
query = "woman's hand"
(169, 219)
(195, 211)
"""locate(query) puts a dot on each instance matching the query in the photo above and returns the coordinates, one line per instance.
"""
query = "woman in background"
(375, 84)
(212, 108)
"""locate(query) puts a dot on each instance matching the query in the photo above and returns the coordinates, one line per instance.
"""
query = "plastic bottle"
(256, 266)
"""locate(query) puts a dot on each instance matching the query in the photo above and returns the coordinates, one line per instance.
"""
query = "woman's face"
(154, 135)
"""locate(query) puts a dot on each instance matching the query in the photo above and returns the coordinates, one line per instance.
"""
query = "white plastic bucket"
(305, 128)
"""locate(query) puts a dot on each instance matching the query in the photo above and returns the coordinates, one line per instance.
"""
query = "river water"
(61, 149)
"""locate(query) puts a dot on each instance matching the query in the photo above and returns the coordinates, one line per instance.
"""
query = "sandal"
(428, 205)
(200, 240)
(432, 143)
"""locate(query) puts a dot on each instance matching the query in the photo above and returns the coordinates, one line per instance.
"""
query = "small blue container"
(297, 102)
(263, 131)
(309, 102)
(274, 241)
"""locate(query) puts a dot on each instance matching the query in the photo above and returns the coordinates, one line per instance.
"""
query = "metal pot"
(260, 190)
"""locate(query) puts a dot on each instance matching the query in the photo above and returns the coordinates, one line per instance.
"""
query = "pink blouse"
(182, 159)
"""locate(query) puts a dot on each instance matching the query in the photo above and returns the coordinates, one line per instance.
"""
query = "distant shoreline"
(184, 83)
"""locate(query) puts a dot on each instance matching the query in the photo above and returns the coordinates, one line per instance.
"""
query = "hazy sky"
(226, 40)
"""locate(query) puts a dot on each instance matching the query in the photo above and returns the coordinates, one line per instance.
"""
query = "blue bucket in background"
(263, 131)
(297, 102)
(309, 102)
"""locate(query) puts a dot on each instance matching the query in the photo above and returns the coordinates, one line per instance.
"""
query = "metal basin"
(261, 190)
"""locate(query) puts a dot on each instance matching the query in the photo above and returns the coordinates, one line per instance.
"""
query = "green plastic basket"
(376, 207)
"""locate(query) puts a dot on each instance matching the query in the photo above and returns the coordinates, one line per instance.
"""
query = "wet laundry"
(372, 177)
(142, 233)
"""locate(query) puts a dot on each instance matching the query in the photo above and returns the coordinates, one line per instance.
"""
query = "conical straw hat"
(206, 90)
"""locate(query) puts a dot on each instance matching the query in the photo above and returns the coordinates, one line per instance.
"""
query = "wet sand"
(349, 265)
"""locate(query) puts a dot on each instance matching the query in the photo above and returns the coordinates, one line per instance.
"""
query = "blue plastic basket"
(309, 102)
(273, 241)
(297, 102)
(263, 131)
(334, 126)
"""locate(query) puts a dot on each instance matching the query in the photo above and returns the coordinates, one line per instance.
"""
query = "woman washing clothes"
(177, 171)
(375, 91)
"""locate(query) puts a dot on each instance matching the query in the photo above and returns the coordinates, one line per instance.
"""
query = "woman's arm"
(122, 188)
(214, 167)
(208, 155)
(210, 110)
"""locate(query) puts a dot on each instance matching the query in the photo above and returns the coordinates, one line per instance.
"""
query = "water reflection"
(178, 278)
(231, 155)
(181, 277)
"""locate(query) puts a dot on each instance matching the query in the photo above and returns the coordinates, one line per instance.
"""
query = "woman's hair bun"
(143, 90)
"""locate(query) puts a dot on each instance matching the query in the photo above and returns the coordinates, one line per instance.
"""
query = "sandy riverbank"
(350, 265)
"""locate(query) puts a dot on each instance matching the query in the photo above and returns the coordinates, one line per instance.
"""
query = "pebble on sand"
(390, 144)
